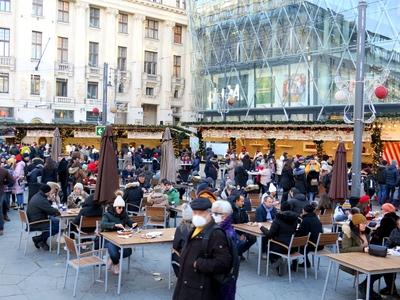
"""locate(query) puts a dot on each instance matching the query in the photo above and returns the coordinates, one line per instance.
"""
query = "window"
(64, 114)
(181, 4)
(176, 94)
(37, 8)
(177, 66)
(94, 17)
(123, 23)
(178, 34)
(93, 117)
(4, 5)
(35, 84)
(151, 29)
(149, 91)
(4, 42)
(36, 44)
(93, 54)
(61, 87)
(92, 90)
(150, 62)
(62, 50)
(4, 80)
(122, 58)
(63, 11)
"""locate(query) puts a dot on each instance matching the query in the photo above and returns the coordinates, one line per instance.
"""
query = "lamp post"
(359, 102)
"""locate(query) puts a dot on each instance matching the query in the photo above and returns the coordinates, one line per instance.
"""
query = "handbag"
(314, 182)
(377, 250)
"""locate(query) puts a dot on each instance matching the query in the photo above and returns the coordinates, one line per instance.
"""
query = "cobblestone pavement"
(39, 275)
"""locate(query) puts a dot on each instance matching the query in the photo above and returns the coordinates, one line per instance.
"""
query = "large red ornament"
(95, 110)
(381, 92)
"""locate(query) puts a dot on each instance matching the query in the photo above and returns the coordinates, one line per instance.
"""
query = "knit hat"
(272, 188)
(346, 205)
(119, 202)
(388, 207)
(358, 219)
(45, 188)
(364, 199)
(187, 212)
(200, 204)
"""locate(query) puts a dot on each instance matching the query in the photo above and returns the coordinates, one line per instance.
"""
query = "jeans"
(115, 253)
(2, 199)
(382, 193)
(20, 199)
(390, 189)
(55, 223)
(311, 196)
(243, 246)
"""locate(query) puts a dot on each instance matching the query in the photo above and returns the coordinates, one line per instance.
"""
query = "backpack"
(234, 271)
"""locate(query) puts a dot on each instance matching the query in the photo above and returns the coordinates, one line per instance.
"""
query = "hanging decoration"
(320, 147)
(272, 145)
(20, 133)
(377, 146)
(232, 144)
(381, 92)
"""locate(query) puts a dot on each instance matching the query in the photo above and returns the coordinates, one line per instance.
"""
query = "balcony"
(63, 69)
(64, 100)
(93, 102)
(7, 62)
(93, 72)
(151, 79)
(178, 81)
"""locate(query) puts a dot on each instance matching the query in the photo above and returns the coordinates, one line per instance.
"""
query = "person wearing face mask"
(198, 269)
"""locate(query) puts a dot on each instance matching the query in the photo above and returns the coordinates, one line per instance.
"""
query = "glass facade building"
(287, 59)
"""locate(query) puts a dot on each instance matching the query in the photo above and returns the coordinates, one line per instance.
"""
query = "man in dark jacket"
(133, 196)
(381, 180)
(39, 209)
(195, 280)
(5, 180)
(297, 201)
(391, 178)
(310, 224)
(211, 168)
(241, 175)
(62, 171)
(89, 209)
(239, 216)
(266, 212)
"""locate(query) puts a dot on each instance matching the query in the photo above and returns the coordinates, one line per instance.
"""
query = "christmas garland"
(319, 146)
(377, 146)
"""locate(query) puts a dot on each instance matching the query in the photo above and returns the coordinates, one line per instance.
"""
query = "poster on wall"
(265, 91)
(294, 88)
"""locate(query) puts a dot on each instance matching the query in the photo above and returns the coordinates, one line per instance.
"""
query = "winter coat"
(298, 202)
(39, 208)
(300, 181)
(133, 195)
(261, 213)
(282, 229)
(246, 163)
(279, 165)
(310, 176)
(394, 238)
(5, 179)
(110, 219)
(239, 215)
(49, 175)
(89, 209)
(230, 169)
(391, 176)
(173, 196)
(19, 174)
(310, 224)
(241, 176)
(287, 180)
(74, 200)
(351, 242)
(180, 237)
(196, 164)
(388, 223)
(62, 171)
(198, 283)
(381, 175)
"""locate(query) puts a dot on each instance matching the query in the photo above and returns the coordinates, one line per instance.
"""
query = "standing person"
(300, 181)
(19, 187)
(391, 178)
(49, 172)
(240, 175)
(39, 209)
(211, 169)
(5, 180)
(312, 171)
(369, 183)
(196, 163)
(381, 181)
(62, 171)
(196, 279)
(265, 177)
(246, 162)
(287, 180)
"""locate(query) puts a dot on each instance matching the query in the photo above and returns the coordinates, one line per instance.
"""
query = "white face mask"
(217, 218)
(199, 221)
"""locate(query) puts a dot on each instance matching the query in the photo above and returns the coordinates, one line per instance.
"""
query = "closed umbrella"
(168, 164)
(108, 178)
(56, 146)
(338, 189)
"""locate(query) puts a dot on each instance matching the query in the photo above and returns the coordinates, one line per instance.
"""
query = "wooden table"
(255, 231)
(66, 215)
(363, 263)
(135, 240)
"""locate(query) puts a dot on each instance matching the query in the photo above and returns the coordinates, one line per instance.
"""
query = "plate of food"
(125, 232)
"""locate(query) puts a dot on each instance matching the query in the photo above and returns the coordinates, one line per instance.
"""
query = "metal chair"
(324, 239)
(92, 258)
(131, 208)
(139, 220)
(26, 228)
(295, 242)
(156, 216)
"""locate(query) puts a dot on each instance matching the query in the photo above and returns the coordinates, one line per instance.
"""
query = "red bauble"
(381, 92)
(95, 110)
(231, 101)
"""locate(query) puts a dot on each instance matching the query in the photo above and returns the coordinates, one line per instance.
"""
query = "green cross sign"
(100, 130)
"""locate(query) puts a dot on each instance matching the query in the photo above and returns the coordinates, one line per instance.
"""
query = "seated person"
(342, 212)
(297, 200)
(239, 216)
(310, 223)
(157, 197)
(144, 182)
(266, 212)
(355, 239)
(77, 197)
(39, 209)
(324, 203)
(272, 191)
(133, 195)
(364, 205)
(54, 197)
(89, 209)
(115, 219)
(171, 192)
(127, 174)
(387, 224)
(282, 229)
(394, 237)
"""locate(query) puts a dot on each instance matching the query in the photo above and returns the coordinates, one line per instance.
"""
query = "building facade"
(52, 56)
(279, 60)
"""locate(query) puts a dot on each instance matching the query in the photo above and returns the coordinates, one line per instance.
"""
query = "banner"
(145, 135)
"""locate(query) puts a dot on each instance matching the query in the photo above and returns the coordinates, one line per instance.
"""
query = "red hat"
(364, 199)
(18, 157)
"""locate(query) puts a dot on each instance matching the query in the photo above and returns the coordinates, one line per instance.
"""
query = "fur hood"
(346, 230)
(287, 216)
(132, 185)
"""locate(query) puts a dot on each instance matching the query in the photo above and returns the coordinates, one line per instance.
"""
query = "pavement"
(39, 275)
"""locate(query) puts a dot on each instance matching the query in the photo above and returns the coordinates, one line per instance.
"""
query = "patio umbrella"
(168, 164)
(107, 179)
(338, 189)
(56, 146)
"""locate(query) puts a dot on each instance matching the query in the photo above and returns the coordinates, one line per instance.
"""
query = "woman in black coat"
(49, 172)
(89, 209)
(133, 195)
(312, 184)
(287, 180)
(300, 181)
(388, 223)
(62, 171)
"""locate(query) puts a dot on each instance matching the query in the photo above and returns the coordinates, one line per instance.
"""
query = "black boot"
(36, 240)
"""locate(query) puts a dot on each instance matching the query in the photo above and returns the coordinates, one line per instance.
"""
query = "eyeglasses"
(119, 207)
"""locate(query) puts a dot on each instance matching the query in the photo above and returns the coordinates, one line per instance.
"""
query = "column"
(188, 109)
